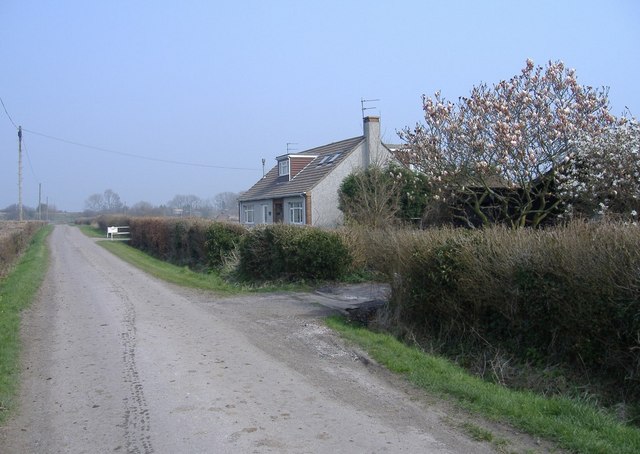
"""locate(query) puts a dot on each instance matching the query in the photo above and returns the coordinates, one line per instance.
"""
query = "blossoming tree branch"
(527, 150)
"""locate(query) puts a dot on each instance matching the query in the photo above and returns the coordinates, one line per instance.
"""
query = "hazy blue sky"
(224, 84)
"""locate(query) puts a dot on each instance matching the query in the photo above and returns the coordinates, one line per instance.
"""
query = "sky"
(157, 98)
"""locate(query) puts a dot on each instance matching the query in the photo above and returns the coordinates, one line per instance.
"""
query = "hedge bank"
(567, 295)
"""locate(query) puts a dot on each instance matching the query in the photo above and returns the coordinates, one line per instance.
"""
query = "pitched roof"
(269, 187)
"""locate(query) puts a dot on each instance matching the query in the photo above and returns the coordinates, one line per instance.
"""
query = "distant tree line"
(222, 205)
(42, 212)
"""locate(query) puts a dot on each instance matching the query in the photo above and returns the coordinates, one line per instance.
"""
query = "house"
(303, 187)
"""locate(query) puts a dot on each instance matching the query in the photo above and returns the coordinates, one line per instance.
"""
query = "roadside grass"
(166, 271)
(17, 291)
(184, 276)
(572, 424)
(92, 232)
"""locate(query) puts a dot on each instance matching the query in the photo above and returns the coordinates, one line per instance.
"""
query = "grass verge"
(574, 425)
(92, 232)
(162, 270)
(17, 290)
(166, 271)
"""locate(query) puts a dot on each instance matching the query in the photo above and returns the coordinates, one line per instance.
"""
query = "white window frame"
(248, 213)
(283, 167)
(296, 212)
(265, 214)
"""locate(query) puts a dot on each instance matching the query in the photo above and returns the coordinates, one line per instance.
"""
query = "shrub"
(221, 240)
(292, 252)
(318, 254)
(107, 220)
(259, 255)
(150, 235)
(197, 243)
(15, 236)
(383, 196)
(566, 295)
(179, 241)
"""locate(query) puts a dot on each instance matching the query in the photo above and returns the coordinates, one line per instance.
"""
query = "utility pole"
(39, 201)
(20, 173)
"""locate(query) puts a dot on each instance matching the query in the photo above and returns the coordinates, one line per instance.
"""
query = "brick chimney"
(371, 141)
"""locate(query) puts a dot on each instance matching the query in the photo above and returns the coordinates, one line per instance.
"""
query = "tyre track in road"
(136, 414)
(137, 421)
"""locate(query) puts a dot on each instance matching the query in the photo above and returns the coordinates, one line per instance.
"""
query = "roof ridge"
(326, 145)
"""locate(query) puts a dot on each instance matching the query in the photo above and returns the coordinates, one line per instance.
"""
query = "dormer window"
(283, 168)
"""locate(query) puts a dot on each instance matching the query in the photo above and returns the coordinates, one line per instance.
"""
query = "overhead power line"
(24, 147)
(8, 116)
(121, 153)
(133, 155)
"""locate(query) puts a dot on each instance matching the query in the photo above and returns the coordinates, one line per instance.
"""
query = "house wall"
(297, 164)
(320, 204)
(324, 209)
(258, 211)
(287, 214)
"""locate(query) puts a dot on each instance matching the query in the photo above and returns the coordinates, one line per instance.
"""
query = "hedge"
(293, 252)
(569, 295)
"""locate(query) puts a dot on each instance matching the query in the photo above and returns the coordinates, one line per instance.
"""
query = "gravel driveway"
(117, 361)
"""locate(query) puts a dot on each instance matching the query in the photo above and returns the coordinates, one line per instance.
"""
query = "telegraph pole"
(39, 201)
(20, 173)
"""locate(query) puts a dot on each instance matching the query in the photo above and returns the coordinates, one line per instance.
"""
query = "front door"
(278, 211)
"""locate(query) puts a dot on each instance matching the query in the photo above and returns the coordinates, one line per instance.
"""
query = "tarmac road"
(116, 361)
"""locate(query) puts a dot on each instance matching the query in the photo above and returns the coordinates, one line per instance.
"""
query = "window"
(283, 167)
(295, 213)
(324, 159)
(265, 214)
(248, 214)
(333, 158)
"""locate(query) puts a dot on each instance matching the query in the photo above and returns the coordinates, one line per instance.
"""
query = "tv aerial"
(365, 101)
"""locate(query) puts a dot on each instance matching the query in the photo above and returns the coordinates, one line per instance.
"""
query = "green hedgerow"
(293, 252)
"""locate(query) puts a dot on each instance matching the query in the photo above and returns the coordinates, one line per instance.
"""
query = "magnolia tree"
(494, 156)
(603, 175)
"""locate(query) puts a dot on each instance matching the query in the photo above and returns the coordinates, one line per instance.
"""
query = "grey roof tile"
(269, 187)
